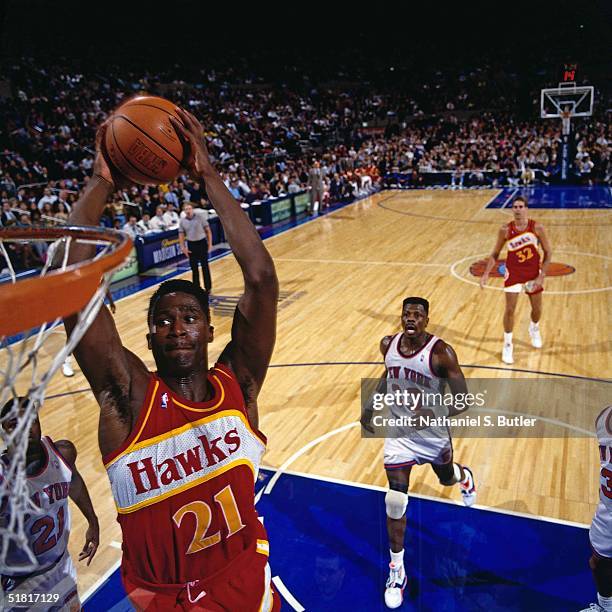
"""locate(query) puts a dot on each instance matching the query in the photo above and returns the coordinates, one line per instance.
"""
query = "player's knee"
(396, 503)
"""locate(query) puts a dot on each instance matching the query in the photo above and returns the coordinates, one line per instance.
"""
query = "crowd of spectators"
(265, 138)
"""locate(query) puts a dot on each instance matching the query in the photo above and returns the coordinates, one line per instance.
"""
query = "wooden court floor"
(343, 278)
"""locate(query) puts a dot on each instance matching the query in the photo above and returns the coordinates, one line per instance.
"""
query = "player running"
(524, 271)
(418, 360)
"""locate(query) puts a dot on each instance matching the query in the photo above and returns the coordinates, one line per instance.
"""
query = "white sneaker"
(67, 369)
(507, 354)
(396, 583)
(468, 490)
(593, 608)
(536, 338)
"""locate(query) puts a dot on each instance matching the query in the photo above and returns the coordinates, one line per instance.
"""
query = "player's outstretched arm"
(108, 367)
(499, 245)
(80, 496)
(254, 326)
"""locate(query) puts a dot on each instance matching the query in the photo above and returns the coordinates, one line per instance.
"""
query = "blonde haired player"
(600, 533)
(524, 271)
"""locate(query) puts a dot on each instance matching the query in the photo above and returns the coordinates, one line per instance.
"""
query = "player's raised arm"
(254, 325)
(499, 245)
(107, 366)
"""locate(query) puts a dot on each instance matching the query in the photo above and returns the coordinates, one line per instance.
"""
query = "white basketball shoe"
(468, 488)
(67, 367)
(534, 334)
(396, 583)
(593, 608)
(507, 354)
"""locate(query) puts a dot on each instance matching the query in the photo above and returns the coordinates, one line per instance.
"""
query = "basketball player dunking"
(52, 477)
(425, 362)
(523, 271)
(181, 445)
(601, 527)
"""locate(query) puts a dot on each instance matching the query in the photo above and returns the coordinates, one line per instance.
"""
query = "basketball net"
(26, 367)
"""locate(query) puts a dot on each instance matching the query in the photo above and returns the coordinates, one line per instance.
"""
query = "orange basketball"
(141, 142)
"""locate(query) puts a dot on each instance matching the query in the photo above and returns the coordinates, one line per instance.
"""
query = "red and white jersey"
(48, 528)
(603, 427)
(410, 373)
(523, 258)
(415, 368)
(183, 484)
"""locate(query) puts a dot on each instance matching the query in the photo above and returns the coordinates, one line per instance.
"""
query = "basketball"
(142, 143)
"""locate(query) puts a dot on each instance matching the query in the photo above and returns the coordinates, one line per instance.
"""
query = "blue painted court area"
(328, 545)
(583, 198)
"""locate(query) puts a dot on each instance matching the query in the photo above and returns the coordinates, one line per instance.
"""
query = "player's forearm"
(546, 262)
(490, 265)
(80, 496)
(87, 211)
(90, 206)
(245, 242)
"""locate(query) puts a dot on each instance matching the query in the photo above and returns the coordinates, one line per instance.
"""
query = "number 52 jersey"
(601, 527)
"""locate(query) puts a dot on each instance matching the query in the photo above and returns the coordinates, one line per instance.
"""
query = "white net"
(28, 361)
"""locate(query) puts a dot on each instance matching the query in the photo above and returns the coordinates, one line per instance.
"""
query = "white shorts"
(600, 533)
(527, 287)
(53, 590)
(402, 452)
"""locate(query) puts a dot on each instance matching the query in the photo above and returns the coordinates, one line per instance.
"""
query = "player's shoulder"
(538, 226)
(66, 449)
(385, 343)
(441, 347)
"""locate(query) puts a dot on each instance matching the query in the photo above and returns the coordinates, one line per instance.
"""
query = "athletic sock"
(605, 602)
(397, 558)
(457, 472)
(533, 326)
(507, 337)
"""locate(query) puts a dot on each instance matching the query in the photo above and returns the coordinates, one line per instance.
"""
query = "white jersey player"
(600, 533)
(417, 361)
(52, 477)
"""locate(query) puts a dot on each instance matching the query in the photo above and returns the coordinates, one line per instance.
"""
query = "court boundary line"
(486, 206)
(94, 587)
(443, 500)
(288, 596)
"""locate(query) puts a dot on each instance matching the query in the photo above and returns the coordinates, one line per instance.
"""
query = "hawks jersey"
(48, 527)
(523, 258)
(183, 484)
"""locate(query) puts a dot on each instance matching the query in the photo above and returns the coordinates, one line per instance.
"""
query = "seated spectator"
(171, 217)
(131, 228)
(48, 198)
(158, 223)
(144, 224)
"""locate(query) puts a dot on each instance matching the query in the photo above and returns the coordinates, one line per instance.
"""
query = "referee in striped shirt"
(195, 240)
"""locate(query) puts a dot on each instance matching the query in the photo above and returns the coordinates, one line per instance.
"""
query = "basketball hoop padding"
(60, 293)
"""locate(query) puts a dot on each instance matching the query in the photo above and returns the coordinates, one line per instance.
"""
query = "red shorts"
(248, 589)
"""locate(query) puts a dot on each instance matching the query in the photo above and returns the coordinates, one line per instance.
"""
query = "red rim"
(29, 303)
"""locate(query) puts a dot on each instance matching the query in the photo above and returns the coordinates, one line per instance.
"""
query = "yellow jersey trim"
(188, 485)
(179, 430)
(191, 409)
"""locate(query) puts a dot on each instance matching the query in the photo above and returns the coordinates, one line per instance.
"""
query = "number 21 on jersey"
(203, 516)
